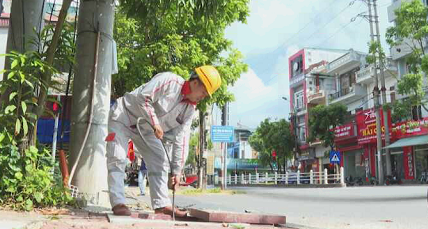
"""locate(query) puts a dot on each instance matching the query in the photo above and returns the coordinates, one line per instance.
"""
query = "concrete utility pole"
(94, 42)
(383, 90)
(376, 104)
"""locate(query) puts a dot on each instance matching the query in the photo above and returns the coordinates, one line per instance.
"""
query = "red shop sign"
(344, 131)
(366, 126)
(410, 128)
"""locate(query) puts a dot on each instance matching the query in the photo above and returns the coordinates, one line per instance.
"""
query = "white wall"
(313, 56)
(248, 151)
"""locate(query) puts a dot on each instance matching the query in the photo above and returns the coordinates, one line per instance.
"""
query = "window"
(302, 133)
(298, 100)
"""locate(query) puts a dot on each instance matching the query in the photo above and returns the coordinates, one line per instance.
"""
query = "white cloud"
(274, 31)
(255, 101)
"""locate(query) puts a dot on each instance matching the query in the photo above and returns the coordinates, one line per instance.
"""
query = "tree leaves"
(411, 30)
(323, 120)
(273, 136)
(182, 40)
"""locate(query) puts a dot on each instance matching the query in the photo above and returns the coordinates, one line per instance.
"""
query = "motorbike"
(424, 178)
(373, 181)
(351, 181)
(389, 180)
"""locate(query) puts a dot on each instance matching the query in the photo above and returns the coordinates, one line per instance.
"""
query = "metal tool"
(167, 156)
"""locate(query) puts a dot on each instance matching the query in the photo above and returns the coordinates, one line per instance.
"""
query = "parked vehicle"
(351, 181)
(191, 180)
(392, 180)
(131, 173)
(424, 178)
(373, 181)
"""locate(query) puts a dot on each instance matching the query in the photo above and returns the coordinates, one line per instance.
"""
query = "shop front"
(409, 153)
(307, 160)
(366, 138)
(352, 154)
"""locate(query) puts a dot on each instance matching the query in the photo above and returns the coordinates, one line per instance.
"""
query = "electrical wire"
(337, 15)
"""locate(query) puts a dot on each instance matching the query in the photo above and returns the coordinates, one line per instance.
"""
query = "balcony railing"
(341, 93)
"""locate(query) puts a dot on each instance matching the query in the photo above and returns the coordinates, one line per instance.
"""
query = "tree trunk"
(95, 29)
(26, 20)
(46, 78)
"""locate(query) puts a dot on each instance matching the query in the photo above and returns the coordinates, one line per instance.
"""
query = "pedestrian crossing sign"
(334, 157)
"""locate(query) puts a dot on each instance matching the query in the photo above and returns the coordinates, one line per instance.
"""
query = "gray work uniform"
(160, 101)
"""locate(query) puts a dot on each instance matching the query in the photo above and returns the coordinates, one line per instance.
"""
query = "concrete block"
(233, 217)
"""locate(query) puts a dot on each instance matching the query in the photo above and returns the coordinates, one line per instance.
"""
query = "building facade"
(307, 90)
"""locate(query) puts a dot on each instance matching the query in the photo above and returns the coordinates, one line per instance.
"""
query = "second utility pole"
(383, 90)
(376, 104)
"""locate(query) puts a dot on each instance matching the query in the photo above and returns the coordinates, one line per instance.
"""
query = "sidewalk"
(79, 219)
(101, 218)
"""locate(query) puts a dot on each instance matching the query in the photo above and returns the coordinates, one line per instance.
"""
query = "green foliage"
(410, 22)
(411, 29)
(25, 172)
(16, 114)
(323, 120)
(190, 34)
(375, 51)
(66, 49)
(26, 179)
(273, 136)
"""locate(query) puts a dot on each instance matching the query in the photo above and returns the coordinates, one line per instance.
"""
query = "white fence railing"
(287, 178)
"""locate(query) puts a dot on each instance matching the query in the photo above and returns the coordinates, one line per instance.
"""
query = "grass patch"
(209, 191)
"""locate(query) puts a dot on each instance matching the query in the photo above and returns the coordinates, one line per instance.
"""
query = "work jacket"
(161, 102)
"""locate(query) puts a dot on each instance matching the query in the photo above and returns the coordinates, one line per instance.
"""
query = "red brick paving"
(233, 217)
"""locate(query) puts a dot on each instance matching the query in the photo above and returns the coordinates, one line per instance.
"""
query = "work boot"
(168, 211)
(121, 209)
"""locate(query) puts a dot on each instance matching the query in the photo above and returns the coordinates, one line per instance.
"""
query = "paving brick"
(233, 217)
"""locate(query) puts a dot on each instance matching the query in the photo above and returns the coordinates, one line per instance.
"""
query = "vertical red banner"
(408, 160)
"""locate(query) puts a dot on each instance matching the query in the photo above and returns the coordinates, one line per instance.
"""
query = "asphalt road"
(353, 207)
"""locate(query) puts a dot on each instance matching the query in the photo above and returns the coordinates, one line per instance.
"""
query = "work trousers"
(153, 154)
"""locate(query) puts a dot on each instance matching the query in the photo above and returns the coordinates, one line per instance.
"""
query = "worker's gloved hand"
(158, 131)
(174, 181)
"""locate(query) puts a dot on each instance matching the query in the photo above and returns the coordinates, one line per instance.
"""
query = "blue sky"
(277, 29)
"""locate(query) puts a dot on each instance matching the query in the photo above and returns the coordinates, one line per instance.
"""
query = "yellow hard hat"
(209, 77)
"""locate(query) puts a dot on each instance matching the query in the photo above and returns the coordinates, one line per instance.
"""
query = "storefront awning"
(413, 141)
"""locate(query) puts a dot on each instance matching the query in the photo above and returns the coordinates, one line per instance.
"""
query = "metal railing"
(341, 93)
(297, 178)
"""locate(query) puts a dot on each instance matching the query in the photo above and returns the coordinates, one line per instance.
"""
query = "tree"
(190, 34)
(272, 137)
(322, 122)
(411, 30)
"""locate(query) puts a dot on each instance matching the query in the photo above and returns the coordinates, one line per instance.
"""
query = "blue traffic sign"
(334, 157)
(222, 133)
